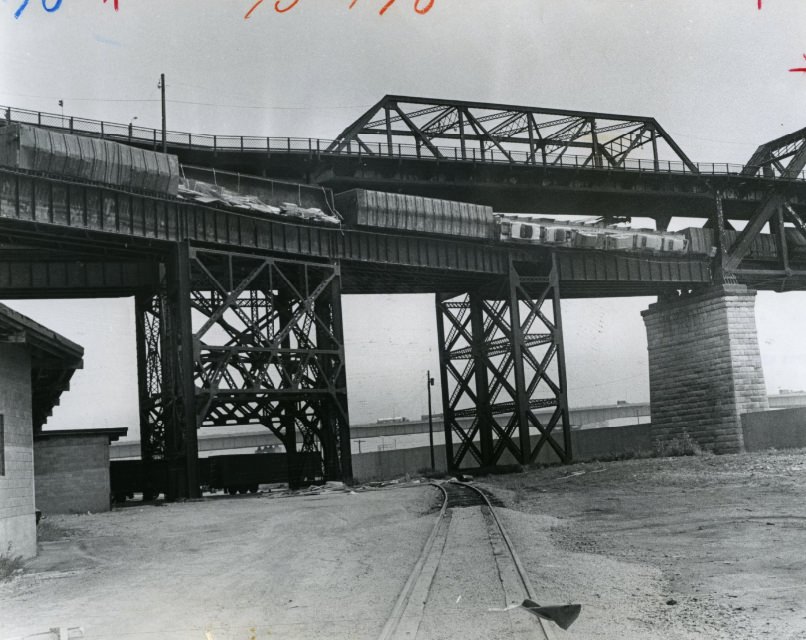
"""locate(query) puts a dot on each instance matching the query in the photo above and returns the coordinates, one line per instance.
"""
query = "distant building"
(36, 365)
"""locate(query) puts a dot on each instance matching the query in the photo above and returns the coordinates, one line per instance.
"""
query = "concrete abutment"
(704, 367)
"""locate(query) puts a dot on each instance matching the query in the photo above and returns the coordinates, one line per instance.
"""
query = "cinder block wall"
(17, 513)
(704, 367)
(72, 473)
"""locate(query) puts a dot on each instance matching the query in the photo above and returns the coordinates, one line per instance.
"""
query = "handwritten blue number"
(21, 9)
(56, 5)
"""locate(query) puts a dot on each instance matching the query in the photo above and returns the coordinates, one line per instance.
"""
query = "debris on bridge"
(206, 193)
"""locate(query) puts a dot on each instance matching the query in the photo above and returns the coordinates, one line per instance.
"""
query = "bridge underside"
(239, 320)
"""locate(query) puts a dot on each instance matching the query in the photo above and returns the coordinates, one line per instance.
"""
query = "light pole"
(429, 382)
(161, 86)
(131, 123)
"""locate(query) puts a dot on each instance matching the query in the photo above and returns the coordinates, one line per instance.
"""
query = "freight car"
(242, 473)
(361, 208)
(235, 473)
(88, 159)
(376, 209)
(549, 232)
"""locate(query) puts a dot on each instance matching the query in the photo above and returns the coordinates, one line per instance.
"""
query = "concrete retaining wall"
(72, 473)
(17, 513)
(775, 429)
(587, 444)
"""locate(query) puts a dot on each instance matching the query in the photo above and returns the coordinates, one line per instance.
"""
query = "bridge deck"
(101, 239)
(562, 183)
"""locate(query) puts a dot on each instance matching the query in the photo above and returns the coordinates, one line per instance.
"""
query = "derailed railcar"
(548, 232)
(88, 159)
(361, 208)
(417, 214)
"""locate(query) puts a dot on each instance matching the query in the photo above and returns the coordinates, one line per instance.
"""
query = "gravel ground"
(239, 568)
(683, 548)
(660, 549)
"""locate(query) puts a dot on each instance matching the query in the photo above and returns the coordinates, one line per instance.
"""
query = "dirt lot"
(700, 547)
(671, 549)
(228, 568)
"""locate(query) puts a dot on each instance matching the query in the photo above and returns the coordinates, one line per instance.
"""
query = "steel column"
(168, 422)
(559, 340)
(496, 372)
(269, 350)
(484, 415)
(522, 401)
(183, 478)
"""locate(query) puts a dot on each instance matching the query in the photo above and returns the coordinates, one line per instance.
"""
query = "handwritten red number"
(290, 6)
(425, 9)
(800, 69)
(279, 8)
(417, 8)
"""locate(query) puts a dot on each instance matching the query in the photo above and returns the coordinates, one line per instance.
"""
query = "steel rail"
(393, 622)
(524, 577)
(403, 599)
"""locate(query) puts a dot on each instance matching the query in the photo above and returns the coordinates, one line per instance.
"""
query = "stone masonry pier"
(704, 367)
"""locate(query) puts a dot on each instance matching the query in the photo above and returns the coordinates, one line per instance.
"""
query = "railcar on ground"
(230, 473)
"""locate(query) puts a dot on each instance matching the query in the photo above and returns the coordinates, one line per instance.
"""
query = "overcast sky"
(714, 74)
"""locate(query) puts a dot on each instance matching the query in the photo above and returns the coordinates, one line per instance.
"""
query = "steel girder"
(502, 359)
(262, 339)
(458, 130)
(783, 158)
(773, 158)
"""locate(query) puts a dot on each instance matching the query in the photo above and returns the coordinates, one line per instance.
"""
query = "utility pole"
(429, 382)
(161, 86)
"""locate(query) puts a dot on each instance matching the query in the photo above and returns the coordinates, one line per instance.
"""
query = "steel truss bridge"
(239, 317)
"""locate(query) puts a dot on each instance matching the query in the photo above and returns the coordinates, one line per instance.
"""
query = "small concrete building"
(72, 470)
(36, 365)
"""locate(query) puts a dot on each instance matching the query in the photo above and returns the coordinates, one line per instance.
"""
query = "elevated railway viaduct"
(239, 316)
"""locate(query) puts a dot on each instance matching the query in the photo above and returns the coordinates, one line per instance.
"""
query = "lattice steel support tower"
(247, 339)
(501, 356)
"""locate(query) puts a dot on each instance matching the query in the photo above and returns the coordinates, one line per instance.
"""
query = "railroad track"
(467, 555)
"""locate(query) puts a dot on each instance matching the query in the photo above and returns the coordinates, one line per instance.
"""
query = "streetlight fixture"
(131, 122)
(429, 382)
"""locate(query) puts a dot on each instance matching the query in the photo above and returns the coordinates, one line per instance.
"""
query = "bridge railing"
(153, 137)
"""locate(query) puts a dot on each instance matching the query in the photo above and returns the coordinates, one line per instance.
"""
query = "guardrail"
(320, 146)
